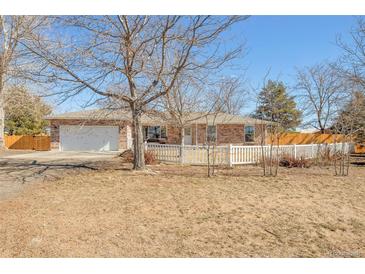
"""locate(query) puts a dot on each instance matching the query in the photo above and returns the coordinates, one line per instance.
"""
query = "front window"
(211, 133)
(154, 132)
(249, 133)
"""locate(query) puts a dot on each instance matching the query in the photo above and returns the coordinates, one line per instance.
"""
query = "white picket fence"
(234, 154)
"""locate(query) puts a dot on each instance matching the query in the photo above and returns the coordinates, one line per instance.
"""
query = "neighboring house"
(103, 130)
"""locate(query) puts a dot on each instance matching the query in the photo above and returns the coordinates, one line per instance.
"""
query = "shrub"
(149, 157)
(289, 162)
(127, 156)
(325, 157)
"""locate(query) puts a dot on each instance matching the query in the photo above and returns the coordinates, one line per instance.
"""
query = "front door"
(187, 136)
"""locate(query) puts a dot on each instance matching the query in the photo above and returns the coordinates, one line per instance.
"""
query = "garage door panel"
(89, 138)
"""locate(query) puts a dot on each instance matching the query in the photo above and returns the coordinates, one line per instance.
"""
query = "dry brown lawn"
(178, 212)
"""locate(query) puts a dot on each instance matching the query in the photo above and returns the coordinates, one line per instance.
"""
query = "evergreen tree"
(24, 112)
(274, 104)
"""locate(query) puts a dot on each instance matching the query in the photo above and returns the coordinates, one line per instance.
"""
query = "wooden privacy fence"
(26, 142)
(308, 138)
(237, 155)
(360, 148)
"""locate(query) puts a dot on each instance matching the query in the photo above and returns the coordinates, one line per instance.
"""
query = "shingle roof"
(156, 117)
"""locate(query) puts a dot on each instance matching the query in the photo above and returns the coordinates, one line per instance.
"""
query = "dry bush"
(127, 156)
(289, 162)
(149, 157)
(325, 157)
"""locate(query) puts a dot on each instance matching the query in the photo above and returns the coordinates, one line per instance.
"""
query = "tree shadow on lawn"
(24, 171)
(202, 171)
(16, 174)
(237, 171)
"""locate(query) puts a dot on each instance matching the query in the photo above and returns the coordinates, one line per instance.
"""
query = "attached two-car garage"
(89, 138)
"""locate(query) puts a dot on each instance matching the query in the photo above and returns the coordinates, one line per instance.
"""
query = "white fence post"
(229, 154)
(295, 151)
(145, 146)
(182, 150)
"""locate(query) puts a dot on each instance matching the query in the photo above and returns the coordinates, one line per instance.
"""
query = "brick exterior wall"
(173, 134)
(230, 134)
(235, 134)
(202, 134)
(226, 133)
(259, 130)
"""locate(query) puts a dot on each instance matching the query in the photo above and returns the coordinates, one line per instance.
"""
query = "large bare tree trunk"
(182, 143)
(2, 123)
(138, 161)
(2, 114)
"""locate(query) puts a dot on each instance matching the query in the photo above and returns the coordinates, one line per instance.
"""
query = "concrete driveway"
(17, 168)
(58, 155)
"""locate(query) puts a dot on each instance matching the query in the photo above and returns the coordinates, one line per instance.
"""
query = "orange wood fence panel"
(28, 142)
(42, 143)
(360, 148)
(308, 138)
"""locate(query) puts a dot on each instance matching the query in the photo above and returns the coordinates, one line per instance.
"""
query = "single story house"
(105, 130)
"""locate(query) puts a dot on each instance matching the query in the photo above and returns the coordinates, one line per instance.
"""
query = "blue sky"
(281, 43)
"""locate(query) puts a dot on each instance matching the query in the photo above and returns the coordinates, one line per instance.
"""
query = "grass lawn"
(177, 212)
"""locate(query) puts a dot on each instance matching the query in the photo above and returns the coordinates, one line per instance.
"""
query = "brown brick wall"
(173, 134)
(230, 134)
(202, 133)
(226, 133)
(234, 134)
(259, 130)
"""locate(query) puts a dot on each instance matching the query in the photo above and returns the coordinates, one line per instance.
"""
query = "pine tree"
(275, 105)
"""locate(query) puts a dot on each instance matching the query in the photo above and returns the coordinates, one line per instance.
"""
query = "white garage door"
(89, 138)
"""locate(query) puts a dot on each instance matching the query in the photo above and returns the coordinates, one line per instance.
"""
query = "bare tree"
(352, 62)
(184, 104)
(227, 98)
(132, 59)
(319, 88)
(349, 127)
(191, 100)
(13, 59)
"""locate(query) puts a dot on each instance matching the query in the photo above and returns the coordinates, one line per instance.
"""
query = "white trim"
(191, 134)
(244, 133)
(156, 125)
(216, 132)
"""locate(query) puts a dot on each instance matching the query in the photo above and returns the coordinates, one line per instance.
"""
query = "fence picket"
(235, 154)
